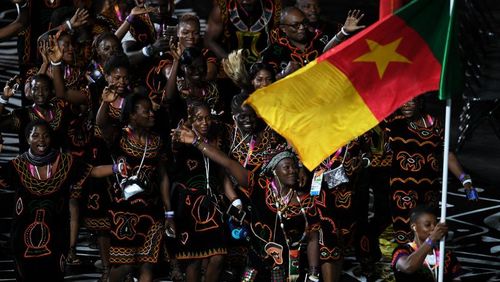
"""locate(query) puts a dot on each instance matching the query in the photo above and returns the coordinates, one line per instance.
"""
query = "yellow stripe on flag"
(316, 108)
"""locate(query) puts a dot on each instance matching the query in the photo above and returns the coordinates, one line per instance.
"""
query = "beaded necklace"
(38, 112)
(281, 204)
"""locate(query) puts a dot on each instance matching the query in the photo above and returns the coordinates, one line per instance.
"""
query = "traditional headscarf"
(274, 161)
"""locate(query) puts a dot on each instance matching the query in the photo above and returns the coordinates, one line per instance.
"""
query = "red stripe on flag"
(400, 81)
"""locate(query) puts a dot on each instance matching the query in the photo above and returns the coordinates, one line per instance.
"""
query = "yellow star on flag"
(382, 55)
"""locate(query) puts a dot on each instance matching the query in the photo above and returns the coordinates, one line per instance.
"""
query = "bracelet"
(236, 202)
(56, 63)
(115, 168)
(344, 32)
(129, 19)
(313, 278)
(429, 242)
(462, 176)
(196, 141)
(368, 162)
(468, 180)
(3, 101)
(69, 25)
(24, 5)
(169, 214)
(147, 51)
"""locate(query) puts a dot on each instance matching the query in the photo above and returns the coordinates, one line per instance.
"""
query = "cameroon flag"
(351, 88)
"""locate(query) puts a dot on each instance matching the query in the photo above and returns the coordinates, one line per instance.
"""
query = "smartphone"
(236, 213)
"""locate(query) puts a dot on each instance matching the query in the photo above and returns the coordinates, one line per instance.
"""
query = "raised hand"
(183, 134)
(109, 94)
(440, 230)
(10, 87)
(43, 49)
(80, 18)
(54, 53)
(352, 20)
(139, 10)
(175, 49)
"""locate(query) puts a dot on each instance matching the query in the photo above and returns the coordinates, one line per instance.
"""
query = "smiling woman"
(42, 179)
(418, 260)
(283, 218)
(140, 189)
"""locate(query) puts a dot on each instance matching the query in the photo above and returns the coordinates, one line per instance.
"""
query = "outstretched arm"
(19, 23)
(350, 26)
(136, 11)
(456, 168)
(55, 55)
(187, 136)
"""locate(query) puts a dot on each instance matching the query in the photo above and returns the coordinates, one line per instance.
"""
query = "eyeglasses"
(304, 23)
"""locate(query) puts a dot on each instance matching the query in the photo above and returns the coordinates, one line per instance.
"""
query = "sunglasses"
(304, 23)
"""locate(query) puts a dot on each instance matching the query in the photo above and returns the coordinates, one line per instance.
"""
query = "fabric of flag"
(351, 88)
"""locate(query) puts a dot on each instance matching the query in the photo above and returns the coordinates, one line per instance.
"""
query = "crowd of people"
(135, 126)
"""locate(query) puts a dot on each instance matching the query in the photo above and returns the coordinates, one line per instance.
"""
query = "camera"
(131, 186)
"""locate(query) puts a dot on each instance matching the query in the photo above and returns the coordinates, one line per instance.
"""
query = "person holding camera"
(140, 206)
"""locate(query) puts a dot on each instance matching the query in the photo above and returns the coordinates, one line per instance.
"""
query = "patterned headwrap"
(273, 162)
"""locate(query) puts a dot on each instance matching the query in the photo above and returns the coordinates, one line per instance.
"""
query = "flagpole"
(444, 190)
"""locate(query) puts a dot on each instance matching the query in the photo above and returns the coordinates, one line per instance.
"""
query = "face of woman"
(196, 71)
(66, 45)
(410, 109)
(202, 120)
(40, 91)
(189, 34)
(246, 119)
(287, 172)
(262, 79)
(143, 117)
(424, 226)
(107, 48)
(39, 140)
(119, 79)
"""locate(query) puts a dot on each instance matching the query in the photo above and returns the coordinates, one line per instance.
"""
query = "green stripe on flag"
(430, 19)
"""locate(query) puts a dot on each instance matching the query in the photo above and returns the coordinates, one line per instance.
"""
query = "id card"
(316, 183)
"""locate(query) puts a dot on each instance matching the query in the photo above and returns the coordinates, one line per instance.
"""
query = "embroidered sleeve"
(399, 252)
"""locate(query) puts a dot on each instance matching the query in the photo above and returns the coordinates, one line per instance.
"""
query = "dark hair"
(34, 123)
(417, 212)
(237, 102)
(131, 102)
(42, 76)
(102, 37)
(258, 66)
(189, 55)
(193, 106)
(60, 15)
(189, 18)
(116, 61)
(288, 10)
